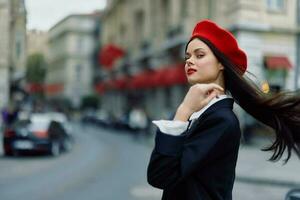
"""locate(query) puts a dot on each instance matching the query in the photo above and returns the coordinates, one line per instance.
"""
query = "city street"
(111, 66)
(103, 164)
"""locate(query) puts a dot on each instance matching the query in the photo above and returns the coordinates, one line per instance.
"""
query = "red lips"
(190, 71)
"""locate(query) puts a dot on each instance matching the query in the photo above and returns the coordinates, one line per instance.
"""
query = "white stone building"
(12, 44)
(4, 51)
(37, 42)
(72, 44)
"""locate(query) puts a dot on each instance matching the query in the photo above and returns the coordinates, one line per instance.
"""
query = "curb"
(265, 181)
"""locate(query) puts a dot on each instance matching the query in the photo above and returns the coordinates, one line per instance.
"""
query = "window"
(79, 44)
(139, 24)
(183, 8)
(78, 73)
(165, 4)
(276, 71)
(276, 78)
(167, 97)
(275, 5)
(18, 49)
(123, 34)
(153, 7)
(298, 12)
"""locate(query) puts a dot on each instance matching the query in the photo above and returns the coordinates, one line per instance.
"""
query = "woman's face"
(201, 65)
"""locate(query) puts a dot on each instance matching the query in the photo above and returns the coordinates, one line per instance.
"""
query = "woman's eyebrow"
(195, 51)
(198, 49)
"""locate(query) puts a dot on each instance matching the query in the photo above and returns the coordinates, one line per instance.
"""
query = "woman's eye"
(200, 56)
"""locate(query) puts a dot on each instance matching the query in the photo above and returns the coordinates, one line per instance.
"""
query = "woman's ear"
(221, 67)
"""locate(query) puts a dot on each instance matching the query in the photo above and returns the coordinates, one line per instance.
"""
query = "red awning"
(116, 83)
(277, 62)
(49, 89)
(121, 83)
(54, 88)
(170, 75)
(109, 54)
(157, 79)
(141, 80)
(175, 75)
(166, 76)
(34, 87)
(109, 84)
(100, 88)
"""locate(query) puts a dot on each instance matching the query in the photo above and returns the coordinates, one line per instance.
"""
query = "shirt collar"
(197, 114)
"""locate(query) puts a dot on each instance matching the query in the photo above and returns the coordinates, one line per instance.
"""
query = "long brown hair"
(280, 111)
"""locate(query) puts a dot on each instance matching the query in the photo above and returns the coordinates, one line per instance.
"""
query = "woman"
(195, 154)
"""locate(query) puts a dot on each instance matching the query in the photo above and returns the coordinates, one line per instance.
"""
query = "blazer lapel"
(222, 103)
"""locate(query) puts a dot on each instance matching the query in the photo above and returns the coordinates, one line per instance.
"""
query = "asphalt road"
(102, 165)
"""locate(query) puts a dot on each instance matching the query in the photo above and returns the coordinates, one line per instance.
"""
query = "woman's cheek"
(201, 64)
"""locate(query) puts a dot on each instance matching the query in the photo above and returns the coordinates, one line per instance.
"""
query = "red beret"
(223, 40)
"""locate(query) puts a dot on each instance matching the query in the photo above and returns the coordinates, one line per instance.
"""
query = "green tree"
(90, 101)
(36, 68)
(36, 74)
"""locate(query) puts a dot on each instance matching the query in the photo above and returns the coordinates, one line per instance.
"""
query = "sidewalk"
(253, 166)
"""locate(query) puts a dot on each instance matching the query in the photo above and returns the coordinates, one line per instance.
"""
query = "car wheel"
(15, 153)
(55, 149)
(8, 153)
(293, 194)
(7, 150)
(67, 145)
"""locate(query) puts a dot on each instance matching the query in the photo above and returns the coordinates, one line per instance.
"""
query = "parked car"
(98, 118)
(293, 194)
(45, 133)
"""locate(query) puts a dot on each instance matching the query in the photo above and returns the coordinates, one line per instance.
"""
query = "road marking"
(143, 191)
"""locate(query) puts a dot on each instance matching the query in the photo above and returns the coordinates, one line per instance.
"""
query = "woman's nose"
(189, 62)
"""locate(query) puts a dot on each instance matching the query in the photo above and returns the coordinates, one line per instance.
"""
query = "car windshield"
(20, 123)
(39, 125)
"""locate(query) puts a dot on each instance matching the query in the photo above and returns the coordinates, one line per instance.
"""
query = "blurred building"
(18, 35)
(267, 30)
(153, 33)
(297, 71)
(4, 51)
(37, 42)
(72, 45)
(12, 45)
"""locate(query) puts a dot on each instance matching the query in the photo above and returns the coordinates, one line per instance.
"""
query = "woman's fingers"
(209, 87)
(206, 89)
(200, 94)
(212, 86)
(209, 97)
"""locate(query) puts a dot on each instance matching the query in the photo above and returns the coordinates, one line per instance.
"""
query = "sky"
(43, 14)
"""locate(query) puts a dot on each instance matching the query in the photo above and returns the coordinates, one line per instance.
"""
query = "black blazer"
(200, 163)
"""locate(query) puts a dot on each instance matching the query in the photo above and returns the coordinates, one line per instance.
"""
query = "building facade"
(12, 45)
(4, 51)
(72, 45)
(18, 36)
(153, 33)
(37, 42)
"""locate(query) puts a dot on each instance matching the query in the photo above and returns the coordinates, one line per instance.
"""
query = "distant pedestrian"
(9, 115)
(138, 121)
(195, 154)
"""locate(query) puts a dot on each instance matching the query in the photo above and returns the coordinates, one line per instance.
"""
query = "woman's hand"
(198, 96)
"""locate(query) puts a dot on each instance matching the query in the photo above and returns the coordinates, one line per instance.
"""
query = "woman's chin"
(192, 81)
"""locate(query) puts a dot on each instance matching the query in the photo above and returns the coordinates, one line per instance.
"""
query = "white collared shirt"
(176, 127)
